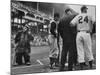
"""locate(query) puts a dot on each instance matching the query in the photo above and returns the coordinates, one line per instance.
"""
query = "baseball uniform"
(83, 39)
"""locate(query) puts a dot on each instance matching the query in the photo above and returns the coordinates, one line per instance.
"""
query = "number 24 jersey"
(83, 22)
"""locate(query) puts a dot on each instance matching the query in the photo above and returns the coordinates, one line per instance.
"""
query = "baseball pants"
(84, 46)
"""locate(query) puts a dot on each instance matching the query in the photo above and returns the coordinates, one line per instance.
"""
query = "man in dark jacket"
(22, 40)
(68, 35)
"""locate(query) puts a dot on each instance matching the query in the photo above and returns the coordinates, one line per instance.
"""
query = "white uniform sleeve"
(74, 21)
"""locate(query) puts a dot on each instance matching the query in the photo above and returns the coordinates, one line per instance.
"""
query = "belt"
(84, 31)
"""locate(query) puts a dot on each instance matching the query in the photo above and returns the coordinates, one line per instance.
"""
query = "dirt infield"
(40, 61)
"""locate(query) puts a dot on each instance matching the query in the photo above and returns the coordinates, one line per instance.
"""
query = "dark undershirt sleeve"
(60, 29)
(53, 28)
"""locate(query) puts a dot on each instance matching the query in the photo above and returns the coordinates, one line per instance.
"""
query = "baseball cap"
(66, 10)
(83, 7)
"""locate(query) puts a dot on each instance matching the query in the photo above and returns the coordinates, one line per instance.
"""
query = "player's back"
(83, 22)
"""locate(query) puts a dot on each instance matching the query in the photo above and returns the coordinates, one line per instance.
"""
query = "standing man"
(84, 24)
(67, 34)
(23, 49)
(54, 57)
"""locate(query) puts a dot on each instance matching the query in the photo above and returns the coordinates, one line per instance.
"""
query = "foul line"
(40, 62)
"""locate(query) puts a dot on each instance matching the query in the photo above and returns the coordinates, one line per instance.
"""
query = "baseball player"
(84, 24)
(53, 42)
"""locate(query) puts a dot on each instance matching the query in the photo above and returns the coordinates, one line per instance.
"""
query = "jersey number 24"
(81, 19)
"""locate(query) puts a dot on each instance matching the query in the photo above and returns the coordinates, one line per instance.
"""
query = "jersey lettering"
(81, 19)
(86, 19)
